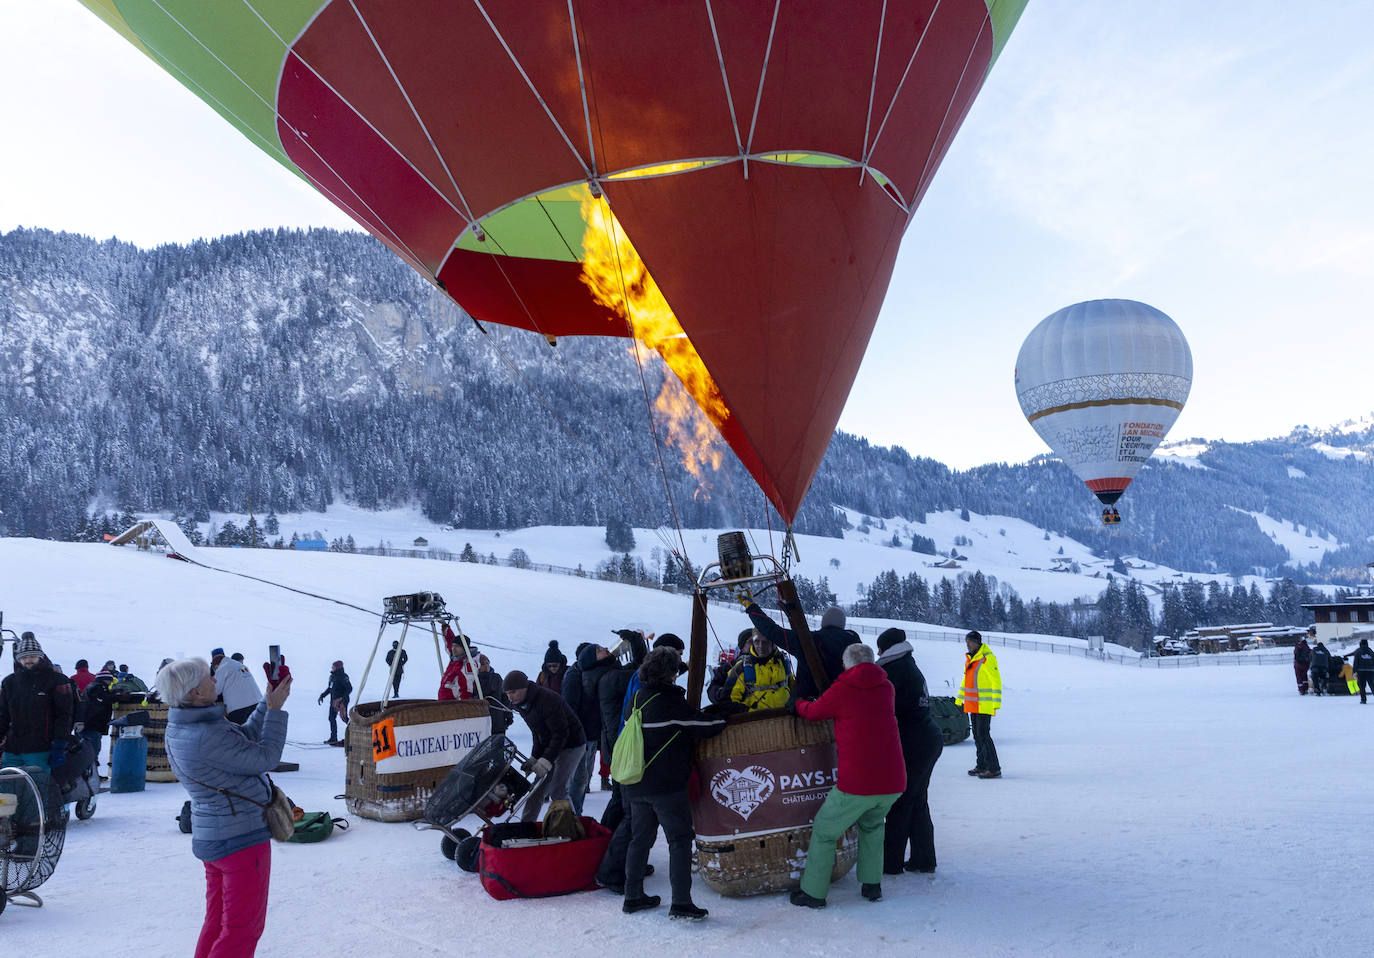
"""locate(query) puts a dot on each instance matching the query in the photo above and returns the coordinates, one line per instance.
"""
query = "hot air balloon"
(727, 181)
(1102, 382)
(762, 157)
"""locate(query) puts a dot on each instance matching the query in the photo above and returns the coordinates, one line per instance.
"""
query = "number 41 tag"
(383, 740)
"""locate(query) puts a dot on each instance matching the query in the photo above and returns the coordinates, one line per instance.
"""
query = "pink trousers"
(235, 903)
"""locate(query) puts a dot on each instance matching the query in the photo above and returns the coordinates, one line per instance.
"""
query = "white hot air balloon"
(1102, 382)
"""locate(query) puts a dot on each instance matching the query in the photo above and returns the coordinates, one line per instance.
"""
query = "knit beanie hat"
(554, 654)
(743, 640)
(833, 618)
(671, 641)
(515, 680)
(338, 664)
(889, 638)
(27, 645)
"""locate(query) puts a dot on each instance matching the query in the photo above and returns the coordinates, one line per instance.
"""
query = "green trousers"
(839, 811)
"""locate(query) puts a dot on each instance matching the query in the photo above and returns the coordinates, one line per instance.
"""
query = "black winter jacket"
(831, 642)
(1362, 659)
(670, 727)
(340, 687)
(100, 702)
(583, 694)
(36, 708)
(552, 722)
(919, 733)
(611, 693)
(1321, 659)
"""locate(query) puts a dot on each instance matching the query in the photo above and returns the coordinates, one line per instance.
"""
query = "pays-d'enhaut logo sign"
(742, 791)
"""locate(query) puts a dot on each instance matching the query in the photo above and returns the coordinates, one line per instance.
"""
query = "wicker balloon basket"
(762, 781)
(398, 754)
(158, 768)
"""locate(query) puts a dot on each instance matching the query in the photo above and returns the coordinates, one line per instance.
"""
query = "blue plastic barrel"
(129, 764)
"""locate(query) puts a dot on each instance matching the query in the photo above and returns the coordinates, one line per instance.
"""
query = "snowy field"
(1204, 811)
(1028, 559)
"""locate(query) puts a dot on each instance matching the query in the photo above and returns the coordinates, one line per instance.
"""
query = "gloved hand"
(744, 598)
(320, 700)
(58, 757)
(791, 707)
(541, 767)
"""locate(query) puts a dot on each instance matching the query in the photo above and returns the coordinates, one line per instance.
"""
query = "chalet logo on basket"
(761, 792)
(742, 791)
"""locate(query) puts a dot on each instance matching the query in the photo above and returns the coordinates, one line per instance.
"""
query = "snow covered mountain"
(292, 370)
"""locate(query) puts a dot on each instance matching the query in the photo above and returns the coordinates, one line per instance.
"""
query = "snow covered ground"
(1205, 811)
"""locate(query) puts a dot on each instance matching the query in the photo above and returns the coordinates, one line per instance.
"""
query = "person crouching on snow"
(559, 743)
(223, 766)
(872, 774)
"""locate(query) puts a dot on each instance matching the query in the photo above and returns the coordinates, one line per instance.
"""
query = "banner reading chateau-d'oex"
(409, 748)
(768, 792)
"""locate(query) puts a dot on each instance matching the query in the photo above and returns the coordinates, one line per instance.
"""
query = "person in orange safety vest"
(980, 694)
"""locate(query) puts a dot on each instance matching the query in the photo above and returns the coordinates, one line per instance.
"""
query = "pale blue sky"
(1211, 159)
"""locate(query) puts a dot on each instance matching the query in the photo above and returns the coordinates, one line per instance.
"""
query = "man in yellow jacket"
(981, 696)
(765, 676)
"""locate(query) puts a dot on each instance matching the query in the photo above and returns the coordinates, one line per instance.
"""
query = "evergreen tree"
(252, 535)
(1139, 625)
(271, 525)
(1111, 612)
(469, 554)
(923, 544)
(619, 536)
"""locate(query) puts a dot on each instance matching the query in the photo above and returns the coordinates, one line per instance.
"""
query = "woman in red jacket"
(871, 777)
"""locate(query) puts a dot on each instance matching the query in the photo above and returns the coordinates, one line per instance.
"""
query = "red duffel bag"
(539, 871)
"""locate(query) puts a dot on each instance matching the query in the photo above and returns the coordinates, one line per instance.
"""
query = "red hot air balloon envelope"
(764, 158)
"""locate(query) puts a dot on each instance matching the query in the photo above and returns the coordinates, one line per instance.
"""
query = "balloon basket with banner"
(398, 753)
(761, 782)
(762, 779)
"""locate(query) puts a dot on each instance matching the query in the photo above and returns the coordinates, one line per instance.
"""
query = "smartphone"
(274, 657)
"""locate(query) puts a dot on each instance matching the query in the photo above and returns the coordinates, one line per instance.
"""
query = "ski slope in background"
(1144, 813)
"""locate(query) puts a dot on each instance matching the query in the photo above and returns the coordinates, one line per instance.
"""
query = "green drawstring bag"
(316, 827)
(627, 758)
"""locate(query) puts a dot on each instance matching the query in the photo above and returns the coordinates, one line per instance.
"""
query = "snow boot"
(642, 903)
(873, 891)
(803, 900)
(605, 783)
(688, 911)
(990, 774)
(976, 771)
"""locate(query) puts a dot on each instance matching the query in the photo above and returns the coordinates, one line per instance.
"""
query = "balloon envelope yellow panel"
(1102, 382)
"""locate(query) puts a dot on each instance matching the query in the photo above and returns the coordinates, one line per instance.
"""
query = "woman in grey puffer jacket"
(223, 767)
